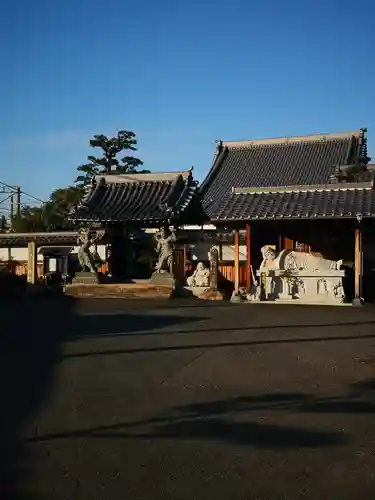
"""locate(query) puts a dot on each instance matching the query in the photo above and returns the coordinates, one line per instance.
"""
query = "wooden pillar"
(358, 300)
(32, 269)
(236, 245)
(248, 257)
(288, 244)
(357, 263)
(185, 258)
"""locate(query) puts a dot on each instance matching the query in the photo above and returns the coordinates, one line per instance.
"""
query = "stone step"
(121, 290)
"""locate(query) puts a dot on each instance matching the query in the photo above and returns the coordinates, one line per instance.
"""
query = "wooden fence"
(226, 272)
(226, 269)
(20, 268)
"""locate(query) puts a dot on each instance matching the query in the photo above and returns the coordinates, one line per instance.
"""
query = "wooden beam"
(248, 257)
(236, 240)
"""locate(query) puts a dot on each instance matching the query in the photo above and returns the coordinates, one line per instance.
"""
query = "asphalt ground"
(116, 399)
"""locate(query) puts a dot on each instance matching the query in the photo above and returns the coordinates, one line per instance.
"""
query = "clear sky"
(179, 74)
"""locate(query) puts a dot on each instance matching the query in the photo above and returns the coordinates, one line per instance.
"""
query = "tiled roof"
(344, 201)
(21, 239)
(304, 161)
(137, 197)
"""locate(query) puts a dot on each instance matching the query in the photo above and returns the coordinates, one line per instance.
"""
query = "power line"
(13, 188)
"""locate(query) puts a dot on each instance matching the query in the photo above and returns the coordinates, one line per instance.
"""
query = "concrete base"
(119, 290)
(199, 292)
(163, 279)
(86, 278)
(236, 297)
(358, 302)
(299, 303)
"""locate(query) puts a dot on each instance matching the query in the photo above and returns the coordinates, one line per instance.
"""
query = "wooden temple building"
(295, 193)
(123, 204)
(313, 194)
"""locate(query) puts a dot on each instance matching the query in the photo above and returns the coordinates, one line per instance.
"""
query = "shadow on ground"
(232, 421)
(218, 345)
(112, 325)
(32, 331)
(225, 421)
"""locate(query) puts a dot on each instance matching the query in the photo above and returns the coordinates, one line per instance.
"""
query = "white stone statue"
(200, 277)
(296, 261)
(301, 275)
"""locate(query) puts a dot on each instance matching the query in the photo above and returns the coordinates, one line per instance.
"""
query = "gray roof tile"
(131, 198)
(342, 203)
(305, 161)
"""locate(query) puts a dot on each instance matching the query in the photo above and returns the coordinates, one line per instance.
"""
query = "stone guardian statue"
(88, 260)
(165, 240)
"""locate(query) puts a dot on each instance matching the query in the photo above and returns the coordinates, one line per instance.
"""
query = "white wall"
(228, 252)
(21, 254)
(17, 254)
(199, 251)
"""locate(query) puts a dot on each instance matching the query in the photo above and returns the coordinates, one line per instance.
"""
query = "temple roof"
(143, 198)
(299, 170)
(47, 238)
(326, 201)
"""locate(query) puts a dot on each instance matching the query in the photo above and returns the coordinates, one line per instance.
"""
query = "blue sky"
(180, 75)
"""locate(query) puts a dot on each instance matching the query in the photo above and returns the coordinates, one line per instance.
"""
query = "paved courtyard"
(114, 400)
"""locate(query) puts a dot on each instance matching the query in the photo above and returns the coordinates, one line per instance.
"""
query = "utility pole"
(18, 200)
(13, 194)
(11, 215)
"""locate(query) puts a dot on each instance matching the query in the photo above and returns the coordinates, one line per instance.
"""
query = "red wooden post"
(357, 264)
(248, 257)
(236, 244)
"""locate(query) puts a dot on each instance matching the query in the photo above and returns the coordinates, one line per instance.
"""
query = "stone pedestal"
(86, 278)
(324, 287)
(357, 302)
(163, 279)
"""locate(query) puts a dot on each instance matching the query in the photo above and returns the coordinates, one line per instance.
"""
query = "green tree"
(30, 220)
(52, 215)
(108, 161)
(356, 172)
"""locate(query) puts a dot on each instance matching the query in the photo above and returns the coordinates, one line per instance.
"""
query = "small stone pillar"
(32, 269)
(214, 268)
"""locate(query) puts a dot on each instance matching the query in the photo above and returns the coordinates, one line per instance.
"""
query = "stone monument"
(300, 276)
(213, 256)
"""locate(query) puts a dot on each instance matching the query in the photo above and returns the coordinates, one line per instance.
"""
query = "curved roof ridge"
(288, 140)
(142, 177)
